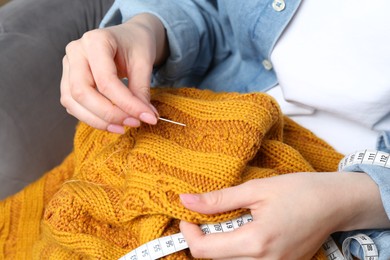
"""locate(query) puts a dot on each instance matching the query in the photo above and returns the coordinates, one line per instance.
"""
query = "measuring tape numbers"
(368, 246)
(167, 245)
(367, 157)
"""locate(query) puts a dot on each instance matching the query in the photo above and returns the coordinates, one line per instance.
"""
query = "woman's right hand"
(91, 85)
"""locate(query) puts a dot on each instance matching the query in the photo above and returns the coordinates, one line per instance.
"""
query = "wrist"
(360, 204)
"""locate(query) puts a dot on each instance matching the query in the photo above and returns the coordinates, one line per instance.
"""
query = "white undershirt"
(333, 66)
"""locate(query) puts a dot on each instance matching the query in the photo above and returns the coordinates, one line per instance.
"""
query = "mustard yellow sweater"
(114, 193)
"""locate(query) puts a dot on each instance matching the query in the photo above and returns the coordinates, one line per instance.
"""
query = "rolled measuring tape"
(167, 245)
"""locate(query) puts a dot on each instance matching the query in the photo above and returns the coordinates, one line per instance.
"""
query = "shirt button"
(267, 64)
(278, 5)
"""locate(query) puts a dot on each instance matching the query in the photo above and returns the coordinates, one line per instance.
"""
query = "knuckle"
(93, 122)
(197, 251)
(64, 101)
(258, 245)
(71, 46)
(109, 116)
(92, 37)
(144, 90)
(103, 85)
(89, 36)
(78, 94)
(256, 248)
(97, 125)
(214, 198)
(69, 111)
(64, 61)
(129, 108)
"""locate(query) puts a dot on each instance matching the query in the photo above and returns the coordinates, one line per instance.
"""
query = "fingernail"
(117, 129)
(132, 122)
(154, 110)
(189, 198)
(148, 118)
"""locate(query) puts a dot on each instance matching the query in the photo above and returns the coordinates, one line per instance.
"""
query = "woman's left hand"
(293, 214)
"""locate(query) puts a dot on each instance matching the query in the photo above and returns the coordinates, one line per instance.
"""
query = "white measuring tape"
(369, 248)
(167, 245)
(368, 157)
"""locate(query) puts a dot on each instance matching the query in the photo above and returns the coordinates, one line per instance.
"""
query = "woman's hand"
(91, 86)
(293, 214)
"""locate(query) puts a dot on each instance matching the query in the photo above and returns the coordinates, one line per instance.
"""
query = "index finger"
(105, 73)
(82, 89)
(240, 196)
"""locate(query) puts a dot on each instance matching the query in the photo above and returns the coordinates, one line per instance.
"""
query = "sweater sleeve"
(192, 28)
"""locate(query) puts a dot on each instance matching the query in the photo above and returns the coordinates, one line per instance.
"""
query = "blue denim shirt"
(222, 46)
(214, 45)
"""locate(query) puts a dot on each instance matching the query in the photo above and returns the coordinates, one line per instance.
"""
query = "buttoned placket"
(278, 6)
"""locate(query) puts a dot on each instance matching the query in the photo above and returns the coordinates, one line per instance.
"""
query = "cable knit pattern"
(114, 193)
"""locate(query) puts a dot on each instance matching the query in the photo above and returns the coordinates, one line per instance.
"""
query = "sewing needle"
(170, 121)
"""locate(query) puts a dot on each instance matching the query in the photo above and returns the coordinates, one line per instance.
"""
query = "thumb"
(139, 82)
(241, 196)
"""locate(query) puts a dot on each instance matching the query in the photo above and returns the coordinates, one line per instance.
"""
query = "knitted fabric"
(114, 193)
